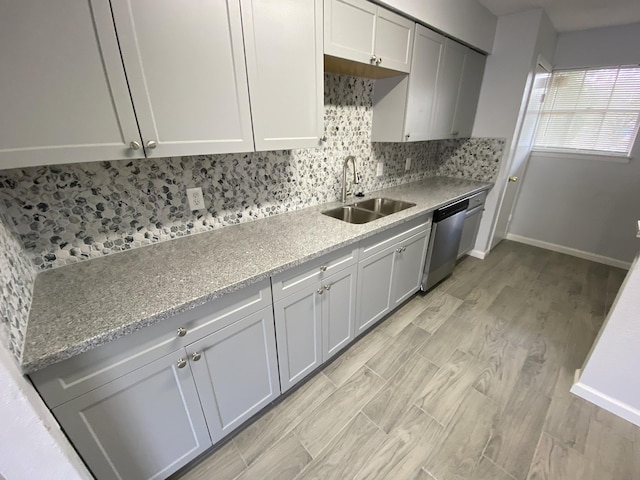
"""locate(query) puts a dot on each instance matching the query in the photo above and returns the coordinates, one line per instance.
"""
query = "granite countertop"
(81, 306)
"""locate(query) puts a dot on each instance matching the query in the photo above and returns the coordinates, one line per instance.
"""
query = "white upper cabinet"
(283, 45)
(437, 100)
(403, 106)
(364, 32)
(448, 91)
(185, 67)
(349, 29)
(63, 92)
(394, 41)
(458, 91)
(107, 80)
(421, 98)
(469, 93)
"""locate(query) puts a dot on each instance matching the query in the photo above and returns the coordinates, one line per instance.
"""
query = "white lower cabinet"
(236, 371)
(374, 288)
(338, 311)
(391, 273)
(299, 333)
(313, 324)
(143, 406)
(408, 267)
(142, 413)
(143, 425)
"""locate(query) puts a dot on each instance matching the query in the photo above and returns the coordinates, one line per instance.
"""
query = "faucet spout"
(345, 167)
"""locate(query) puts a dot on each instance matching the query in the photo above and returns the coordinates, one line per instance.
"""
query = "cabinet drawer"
(476, 200)
(295, 279)
(80, 374)
(383, 240)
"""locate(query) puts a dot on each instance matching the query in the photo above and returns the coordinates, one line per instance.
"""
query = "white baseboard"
(478, 254)
(570, 251)
(610, 404)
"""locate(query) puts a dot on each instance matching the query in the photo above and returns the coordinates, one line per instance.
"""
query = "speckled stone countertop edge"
(39, 362)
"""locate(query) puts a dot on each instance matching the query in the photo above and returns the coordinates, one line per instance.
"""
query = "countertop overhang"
(82, 306)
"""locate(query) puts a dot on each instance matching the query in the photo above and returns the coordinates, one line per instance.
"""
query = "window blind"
(594, 110)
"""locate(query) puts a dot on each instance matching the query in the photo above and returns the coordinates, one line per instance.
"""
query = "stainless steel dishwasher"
(444, 243)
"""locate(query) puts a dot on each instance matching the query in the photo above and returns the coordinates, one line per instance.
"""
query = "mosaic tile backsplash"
(17, 275)
(68, 213)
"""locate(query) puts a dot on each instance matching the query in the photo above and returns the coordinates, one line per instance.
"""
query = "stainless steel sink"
(385, 206)
(368, 210)
(352, 214)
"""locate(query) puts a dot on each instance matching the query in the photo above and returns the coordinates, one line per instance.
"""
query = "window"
(591, 111)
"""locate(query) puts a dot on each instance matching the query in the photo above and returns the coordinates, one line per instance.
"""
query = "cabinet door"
(144, 425)
(236, 371)
(374, 288)
(283, 45)
(448, 91)
(425, 67)
(408, 267)
(470, 231)
(394, 41)
(186, 70)
(469, 93)
(299, 334)
(349, 29)
(63, 92)
(338, 311)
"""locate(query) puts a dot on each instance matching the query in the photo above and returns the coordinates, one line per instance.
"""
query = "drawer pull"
(321, 290)
(327, 287)
(323, 268)
(182, 332)
(182, 363)
(196, 356)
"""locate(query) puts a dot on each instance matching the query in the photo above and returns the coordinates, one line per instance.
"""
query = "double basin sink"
(368, 210)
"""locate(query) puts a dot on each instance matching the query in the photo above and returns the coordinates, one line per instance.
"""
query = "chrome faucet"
(344, 176)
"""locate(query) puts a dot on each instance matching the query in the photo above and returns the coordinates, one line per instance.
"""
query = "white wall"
(466, 20)
(581, 205)
(610, 374)
(599, 47)
(31, 443)
(520, 38)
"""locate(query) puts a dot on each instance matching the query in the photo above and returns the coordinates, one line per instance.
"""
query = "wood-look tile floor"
(468, 382)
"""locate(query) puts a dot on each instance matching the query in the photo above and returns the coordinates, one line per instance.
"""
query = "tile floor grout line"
(499, 467)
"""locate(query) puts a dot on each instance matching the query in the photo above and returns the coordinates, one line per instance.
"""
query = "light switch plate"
(196, 199)
(379, 169)
(407, 164)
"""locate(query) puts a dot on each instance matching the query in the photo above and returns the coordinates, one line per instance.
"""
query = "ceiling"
(570, 15)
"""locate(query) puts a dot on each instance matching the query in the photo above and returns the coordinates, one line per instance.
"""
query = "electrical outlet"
(195, 197)
(407, 164)
(379, 169)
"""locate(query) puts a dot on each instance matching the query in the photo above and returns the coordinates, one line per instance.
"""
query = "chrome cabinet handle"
(327, 287)
(320, 290)
(182, 363)
(151, 144)
(182, 332)
(408, 135)
(399, 250)
(513, 179)
(196, 356)
(374, 59)
(323, 268)
(134, 145)
(378, 61)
